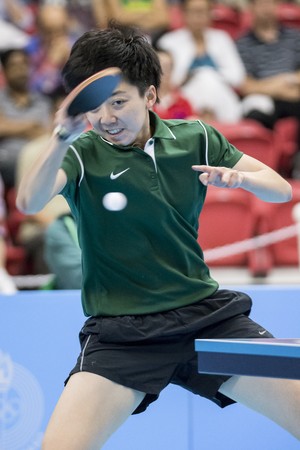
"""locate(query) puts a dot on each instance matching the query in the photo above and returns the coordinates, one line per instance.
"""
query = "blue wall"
(38, 346)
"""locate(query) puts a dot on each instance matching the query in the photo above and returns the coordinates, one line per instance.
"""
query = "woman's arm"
(44, 180)
(251, 175)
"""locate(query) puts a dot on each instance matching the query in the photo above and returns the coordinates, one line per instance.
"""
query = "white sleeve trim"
(206, 142)
(80, 163)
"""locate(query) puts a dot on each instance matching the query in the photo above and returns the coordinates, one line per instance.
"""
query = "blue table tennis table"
(275, 358)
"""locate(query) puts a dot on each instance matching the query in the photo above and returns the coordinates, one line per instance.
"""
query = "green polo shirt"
(144, 258)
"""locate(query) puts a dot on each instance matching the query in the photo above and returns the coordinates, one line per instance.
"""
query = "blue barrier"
(39, 345)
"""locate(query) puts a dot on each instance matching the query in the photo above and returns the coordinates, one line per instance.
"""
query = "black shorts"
(147, 352)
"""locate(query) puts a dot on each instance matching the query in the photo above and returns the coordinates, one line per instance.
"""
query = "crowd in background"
(223, 62)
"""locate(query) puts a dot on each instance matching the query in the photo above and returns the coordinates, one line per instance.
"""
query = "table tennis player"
(147, 292)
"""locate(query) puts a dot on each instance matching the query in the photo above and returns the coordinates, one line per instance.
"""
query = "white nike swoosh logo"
(113, 175)
(262, 332)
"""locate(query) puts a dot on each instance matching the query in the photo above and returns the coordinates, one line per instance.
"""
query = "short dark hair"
(116, 46)
(6, 54)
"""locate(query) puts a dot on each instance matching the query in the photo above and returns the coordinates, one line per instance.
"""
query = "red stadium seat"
(14, 216)
(286, 131)
(226, 218)
(176, 16)
(277, 216)
(15, 260)
(289, 14)
(262, 259)
(226, 18)
(252, 138)
(285, 252)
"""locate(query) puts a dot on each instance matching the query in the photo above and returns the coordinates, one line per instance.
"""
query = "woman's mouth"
(114, 132)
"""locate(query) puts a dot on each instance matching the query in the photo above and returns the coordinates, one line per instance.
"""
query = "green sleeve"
(220, 152)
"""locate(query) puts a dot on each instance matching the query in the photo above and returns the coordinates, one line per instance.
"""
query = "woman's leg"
(277, 399)
(89, 410)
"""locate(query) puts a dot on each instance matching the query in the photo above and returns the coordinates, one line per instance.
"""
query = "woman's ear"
(151, 96)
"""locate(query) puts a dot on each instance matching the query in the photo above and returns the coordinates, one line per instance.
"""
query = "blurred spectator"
(19, 13)
(151, 16)
(172, 104)
(206, 63)
(63, 254)
(11, 36)
(83, 14)
(7, 285)
(271, 54)
(50, 47)
(24, 114)
(16, 22)
(86, 14)
(31, 233)
(236, 4)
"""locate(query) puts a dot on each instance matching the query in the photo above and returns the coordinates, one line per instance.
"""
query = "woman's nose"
(106, 115)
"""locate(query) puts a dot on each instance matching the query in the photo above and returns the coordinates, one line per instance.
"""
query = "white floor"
(236, 275)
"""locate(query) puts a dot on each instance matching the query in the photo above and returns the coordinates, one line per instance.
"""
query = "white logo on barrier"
(21, 407)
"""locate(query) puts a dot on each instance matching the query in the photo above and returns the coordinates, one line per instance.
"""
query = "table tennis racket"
(87, 96)
(92, 92)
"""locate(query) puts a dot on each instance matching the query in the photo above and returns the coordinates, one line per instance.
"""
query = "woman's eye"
(118, 102)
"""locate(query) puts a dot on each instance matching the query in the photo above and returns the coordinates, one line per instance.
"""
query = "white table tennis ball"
(114, 201)
(296, 212)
